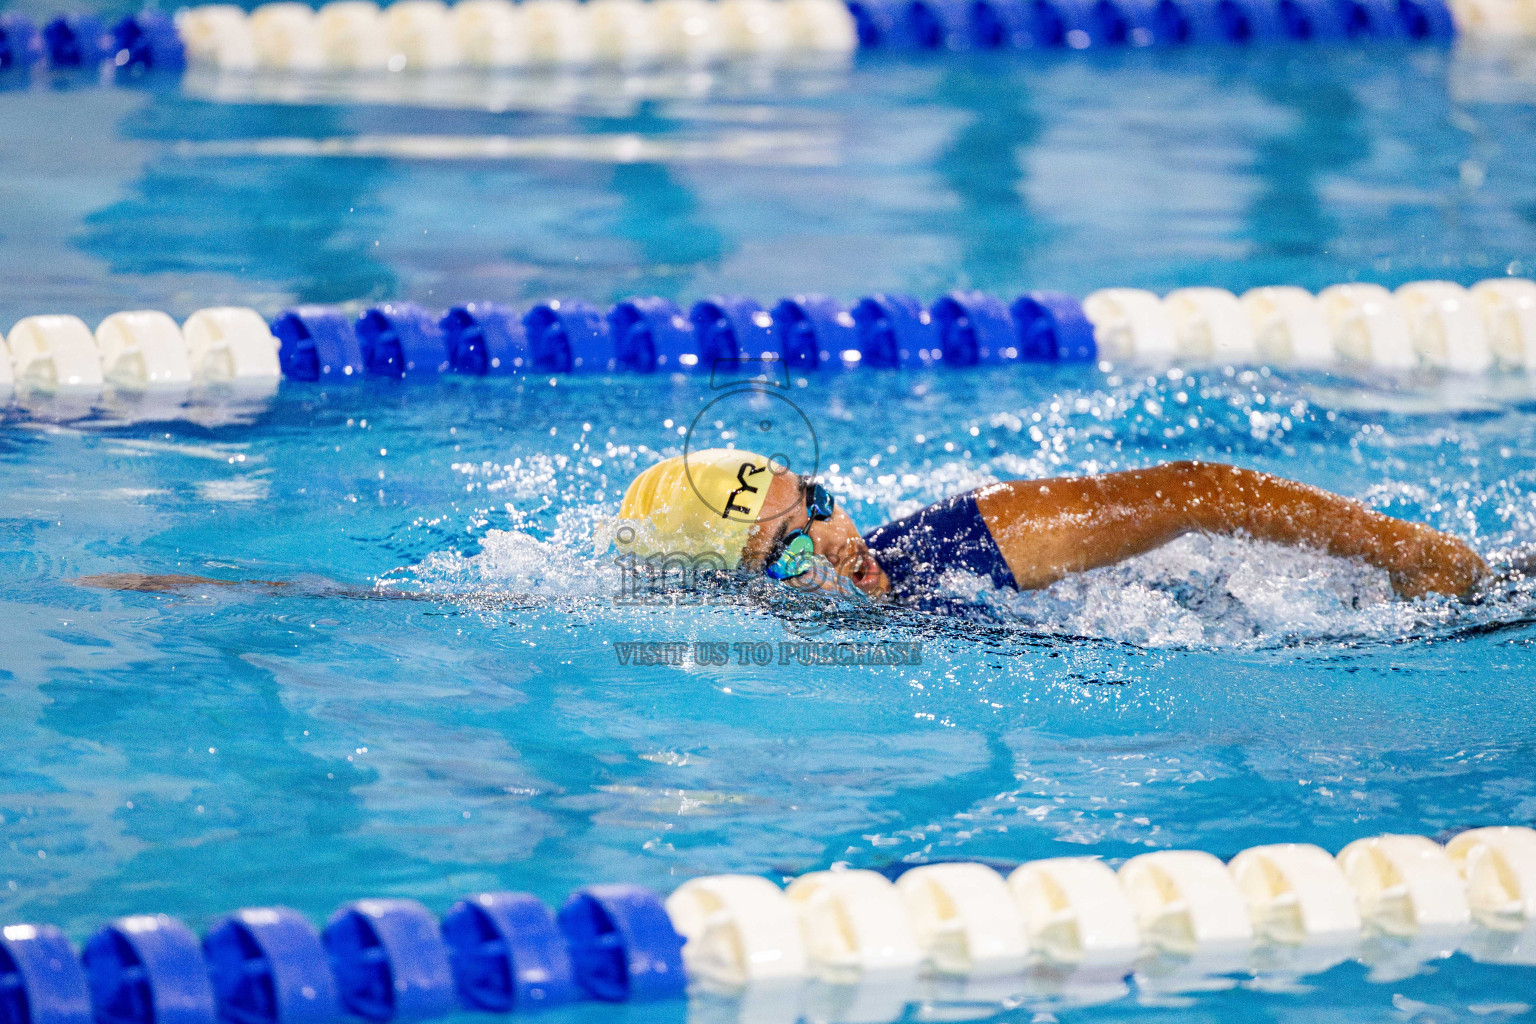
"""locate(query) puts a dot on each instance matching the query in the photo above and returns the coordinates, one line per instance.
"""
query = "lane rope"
(1434, 326)
(391, 959)
(361, 36)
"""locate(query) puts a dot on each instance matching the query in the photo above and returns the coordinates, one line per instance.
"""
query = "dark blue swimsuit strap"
(946, 536)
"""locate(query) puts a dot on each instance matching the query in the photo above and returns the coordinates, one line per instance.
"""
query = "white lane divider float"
(358, 35)
(740, 929)
(821, 26)
(61, 367)
(1438, 325)
(751, 27)
(1445, 326)
(1186, 899)
(854, 922)
(287, 37)
(559, 32)
(860, 941)
(353, 36)
(623, 31)
(1405, 885)
(1508, 308)
(1288, 327)
(218, 34)
(490, 33)
(1368, 326)
(230, 343)
(1210, 324)
(965, 920)
(1129, 323)
(1075, 910)
(1499, 866)
(687, 31)
(1296, 892)
(423, 33)
(143, 349)
(1494, 19)
(1193, 919)
(52, 353)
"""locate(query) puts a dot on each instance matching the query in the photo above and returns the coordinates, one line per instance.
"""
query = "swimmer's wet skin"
(742, 509)
(739, 510)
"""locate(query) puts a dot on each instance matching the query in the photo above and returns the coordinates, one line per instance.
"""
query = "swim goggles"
(794, 557)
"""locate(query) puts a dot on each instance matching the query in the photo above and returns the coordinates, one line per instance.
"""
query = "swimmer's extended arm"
(161, 584)
(1049, 528)
(172, 583)
(307, 586)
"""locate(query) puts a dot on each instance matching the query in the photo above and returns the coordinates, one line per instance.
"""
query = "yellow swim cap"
(702, 503)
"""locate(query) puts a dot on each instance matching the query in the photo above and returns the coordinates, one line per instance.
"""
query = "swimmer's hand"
(1511, 568)
(1439, 564)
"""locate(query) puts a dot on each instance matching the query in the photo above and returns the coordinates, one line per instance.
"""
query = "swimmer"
(736, 510)
(741, 510)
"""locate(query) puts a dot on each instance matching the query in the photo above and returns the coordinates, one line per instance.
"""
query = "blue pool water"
(194, 752)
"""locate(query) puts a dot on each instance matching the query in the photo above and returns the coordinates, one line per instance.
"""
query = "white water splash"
(1203, 590)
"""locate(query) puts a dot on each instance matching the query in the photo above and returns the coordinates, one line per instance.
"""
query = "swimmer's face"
(836, 539)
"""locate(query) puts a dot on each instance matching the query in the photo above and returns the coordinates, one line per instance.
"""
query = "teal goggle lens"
(795, 559)
(818, 503)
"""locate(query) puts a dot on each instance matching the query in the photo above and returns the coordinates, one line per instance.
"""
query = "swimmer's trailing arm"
(1049, 528)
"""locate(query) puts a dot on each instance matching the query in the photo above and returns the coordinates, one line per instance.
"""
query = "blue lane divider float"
(485, 338)
(651, 334)
(975, 329)
(269, 966)
(148, 970)
(20, 43)
(814, 331)
(401, 340)
(622, 944)
(568, 336)
(317, 343)
(380, 960)
(1052, 327)
(76, 41)
(654, 335)
(389, 960)
(895, 332)
(147, 41)
(733, 328)
(41, 981)
(508, 953)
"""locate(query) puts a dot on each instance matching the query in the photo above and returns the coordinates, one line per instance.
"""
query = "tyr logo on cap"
(746, 470)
